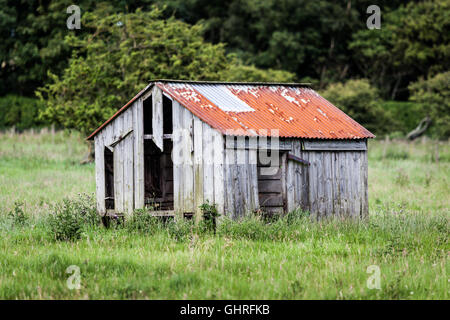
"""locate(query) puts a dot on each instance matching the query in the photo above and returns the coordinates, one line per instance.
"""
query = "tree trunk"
(421, 128)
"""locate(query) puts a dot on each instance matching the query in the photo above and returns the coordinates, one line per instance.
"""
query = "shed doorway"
(109, 179)
(158, 165)
(158, 176)
(271, 184)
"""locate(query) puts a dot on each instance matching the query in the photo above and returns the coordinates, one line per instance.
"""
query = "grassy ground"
(406, 237)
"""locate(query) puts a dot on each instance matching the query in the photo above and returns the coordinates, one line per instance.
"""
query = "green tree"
(433, 94)
(361, 101)
(122, 53)
(413, 41)
(32, 33)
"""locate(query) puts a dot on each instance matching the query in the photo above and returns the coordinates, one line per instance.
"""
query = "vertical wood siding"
(100, 174)
(157, 117)
(138, 132)
(198, 154)
(241, 181)
(335, 182)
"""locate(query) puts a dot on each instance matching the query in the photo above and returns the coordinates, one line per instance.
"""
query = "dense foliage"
(125, 51)
(20, 112)
(433, 95)
(414, 40)
(360, 101)
(323, 42)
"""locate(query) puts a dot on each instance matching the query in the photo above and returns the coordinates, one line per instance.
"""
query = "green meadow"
(406, 237)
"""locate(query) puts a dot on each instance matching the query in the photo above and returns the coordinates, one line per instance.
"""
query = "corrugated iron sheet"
(261, 109)
(287, 110)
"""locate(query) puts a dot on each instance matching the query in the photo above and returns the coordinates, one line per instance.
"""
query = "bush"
(143, 222)
(361, 101)
(433, 95)
(71, 217)
(210, 215)
(404, 116)
(17, 215)
(21, 112)
(180, 230)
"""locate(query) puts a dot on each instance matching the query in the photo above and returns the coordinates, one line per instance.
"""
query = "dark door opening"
(270, 185)
(158, 175)
(148, 124)
(109, 179)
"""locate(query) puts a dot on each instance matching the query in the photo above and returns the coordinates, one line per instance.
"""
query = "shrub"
(210, 215)
(433, 95)
(360, 101)
(180, 230)
(404, 116)
(17, 215)
(71, 217)
(143, 222)
(21, 112)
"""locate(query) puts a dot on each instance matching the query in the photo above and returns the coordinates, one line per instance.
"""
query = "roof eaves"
(91, 136)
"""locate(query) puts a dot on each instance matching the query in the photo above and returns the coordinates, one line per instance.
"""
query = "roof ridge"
(254, 83)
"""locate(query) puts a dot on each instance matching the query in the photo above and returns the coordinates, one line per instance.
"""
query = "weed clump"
(71, 217)
(180, 230)
(402, 178)
(17, 215)
(142, 221)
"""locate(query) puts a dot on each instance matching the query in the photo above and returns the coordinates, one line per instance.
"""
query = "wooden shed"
(241, 146)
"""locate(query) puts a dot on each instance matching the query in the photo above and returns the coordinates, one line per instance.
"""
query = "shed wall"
(335, 182)
(198, 155)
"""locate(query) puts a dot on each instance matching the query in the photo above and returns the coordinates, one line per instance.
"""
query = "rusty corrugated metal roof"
(292, 110)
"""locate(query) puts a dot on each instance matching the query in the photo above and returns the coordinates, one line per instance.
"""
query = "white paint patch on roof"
(188, 92)
(284, 94)
(322, 113)
(223, 98)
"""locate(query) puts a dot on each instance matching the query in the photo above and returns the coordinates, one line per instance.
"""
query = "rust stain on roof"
(257, 109)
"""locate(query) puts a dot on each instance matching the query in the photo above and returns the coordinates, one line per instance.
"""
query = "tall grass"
(293, 257)
(283, 259)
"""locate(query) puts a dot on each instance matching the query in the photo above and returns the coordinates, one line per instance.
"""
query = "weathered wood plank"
(177, 156)
(328, 183)
(157, 117)
(313, 183)
(198, 166)
(334, 145)
(364, 186)
(253, 179)
(128, 176)
(118, 166)
(229, 181)
(100, 174)
(208, 163)
(271, 200)
(271, 185)
(290, 186)
(138, 131)
(239, 179)
(335, 184)
(262, 142)
(219, 173)
(357, 183)
(188, 172)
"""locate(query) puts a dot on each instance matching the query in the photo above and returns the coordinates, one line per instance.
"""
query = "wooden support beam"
(297, 159)
(150, 136)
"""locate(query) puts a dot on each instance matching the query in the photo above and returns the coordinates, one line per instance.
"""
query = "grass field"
(407, 237)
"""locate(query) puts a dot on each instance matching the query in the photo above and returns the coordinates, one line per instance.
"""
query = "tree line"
(83, 76)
